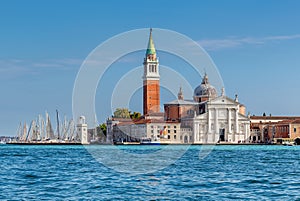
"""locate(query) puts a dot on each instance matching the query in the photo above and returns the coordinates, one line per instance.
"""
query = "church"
(209, 118)
(205, 119)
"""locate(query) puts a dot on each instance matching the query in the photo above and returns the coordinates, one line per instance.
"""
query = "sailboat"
(49, 129)
(41, 132)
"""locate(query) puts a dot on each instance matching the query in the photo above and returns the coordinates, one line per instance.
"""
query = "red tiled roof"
(145, 121)
(275, 117)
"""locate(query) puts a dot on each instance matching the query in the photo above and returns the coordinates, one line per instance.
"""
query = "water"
(228, 172)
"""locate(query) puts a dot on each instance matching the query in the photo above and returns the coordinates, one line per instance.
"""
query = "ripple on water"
(228, 172)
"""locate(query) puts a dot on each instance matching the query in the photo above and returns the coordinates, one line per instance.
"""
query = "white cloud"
(232, 42)
(11, 68)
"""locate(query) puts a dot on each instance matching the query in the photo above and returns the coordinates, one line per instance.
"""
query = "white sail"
(42, 128)
(27, 138)
(24, 134)
(49, 129)
(65, 129)
(19, 132)
(34, 131)
(72, 135)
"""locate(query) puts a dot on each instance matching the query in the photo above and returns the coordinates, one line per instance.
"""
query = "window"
(295, 130)
(174, 126)
(169, 137)
(174, 137)
(168, 126)
(169, 131)
(174, 131)
(181, 137)
(152, 131)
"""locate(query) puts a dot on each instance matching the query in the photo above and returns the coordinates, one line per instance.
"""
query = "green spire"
(150, 48)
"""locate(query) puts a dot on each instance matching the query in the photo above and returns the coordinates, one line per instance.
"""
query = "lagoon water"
(228, 172)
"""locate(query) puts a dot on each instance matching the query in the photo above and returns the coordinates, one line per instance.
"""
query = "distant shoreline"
(136, 144)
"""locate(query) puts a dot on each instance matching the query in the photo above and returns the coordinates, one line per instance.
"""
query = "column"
(236, 124)
(195, 131)
(247, 132)
(208, 122)
(229, 120)
(229, 124)
(216, 126)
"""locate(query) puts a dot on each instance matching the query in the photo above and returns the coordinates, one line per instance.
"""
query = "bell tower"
(151, 89)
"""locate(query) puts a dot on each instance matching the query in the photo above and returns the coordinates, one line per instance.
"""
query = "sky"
(255, 45)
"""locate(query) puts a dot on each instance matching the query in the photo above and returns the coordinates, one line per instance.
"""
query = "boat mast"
(28, 131)
(57, 121)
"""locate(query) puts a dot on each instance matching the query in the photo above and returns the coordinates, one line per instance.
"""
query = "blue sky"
(254, 44)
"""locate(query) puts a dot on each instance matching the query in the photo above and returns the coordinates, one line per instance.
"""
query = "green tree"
(103, 128)
(122, 113)
(135, 115)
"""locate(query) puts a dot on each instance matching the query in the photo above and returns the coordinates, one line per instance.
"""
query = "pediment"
(223, 100)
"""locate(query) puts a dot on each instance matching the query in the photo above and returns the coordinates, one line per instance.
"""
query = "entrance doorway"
(222, 134)
(186, 139)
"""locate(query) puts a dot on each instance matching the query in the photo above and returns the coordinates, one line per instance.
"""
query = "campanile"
(151, 89)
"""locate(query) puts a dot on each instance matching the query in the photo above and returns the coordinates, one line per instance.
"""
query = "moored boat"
(287, 143)
(149, 141)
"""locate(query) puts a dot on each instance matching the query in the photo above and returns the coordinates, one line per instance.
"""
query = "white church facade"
(222, 122)
(209, 118)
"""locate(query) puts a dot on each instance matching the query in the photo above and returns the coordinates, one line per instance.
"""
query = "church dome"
(205, 90)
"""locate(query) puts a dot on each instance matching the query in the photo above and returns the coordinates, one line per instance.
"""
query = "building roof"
(205, 89)
(150, 48)
(145, 121)
(297, 121)
(275, 117)
(182, 102)
(156, 114)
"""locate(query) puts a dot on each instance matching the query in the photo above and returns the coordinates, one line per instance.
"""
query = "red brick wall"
(151, 99)
(177, 112)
